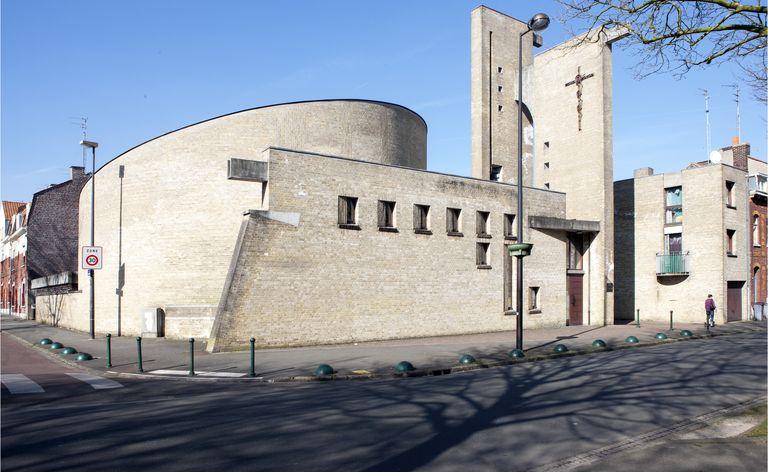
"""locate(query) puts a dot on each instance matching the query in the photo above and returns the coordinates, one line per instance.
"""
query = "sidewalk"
(377, 358)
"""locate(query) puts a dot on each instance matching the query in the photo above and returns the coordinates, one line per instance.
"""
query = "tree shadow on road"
(511, 418)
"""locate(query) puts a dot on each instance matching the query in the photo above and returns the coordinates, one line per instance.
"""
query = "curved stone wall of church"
(181, 215)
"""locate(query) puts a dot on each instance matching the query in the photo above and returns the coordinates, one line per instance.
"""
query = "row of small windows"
(387, 219)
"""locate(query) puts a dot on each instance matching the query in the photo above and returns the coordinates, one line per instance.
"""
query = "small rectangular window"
(546, 185)
(482, 224)
(453, 221)
(482, 256)
(509, 226)
(730, 234)
(499, 69)
(729, 200)
(347, 211)
(495, 173)
(421, 219)
(500, 88)
(546, 165)
(534, 303)
(501, 107)
(386, 215)
(674, 196)
(546, 144)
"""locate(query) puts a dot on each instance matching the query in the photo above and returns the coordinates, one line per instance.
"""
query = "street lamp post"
(539, 22)
(92, 145)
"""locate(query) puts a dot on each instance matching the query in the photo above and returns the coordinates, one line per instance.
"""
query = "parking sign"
(91, 257)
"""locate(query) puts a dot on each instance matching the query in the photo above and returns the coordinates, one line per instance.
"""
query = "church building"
(318, 222)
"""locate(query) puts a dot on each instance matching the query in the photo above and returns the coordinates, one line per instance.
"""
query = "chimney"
(76, 172)
(643, 172)
(740, 155)
(735, 141)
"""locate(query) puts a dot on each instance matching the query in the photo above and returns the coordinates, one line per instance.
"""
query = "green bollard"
(109, 351)
(252, 371)
(191, 356)
(138, 347)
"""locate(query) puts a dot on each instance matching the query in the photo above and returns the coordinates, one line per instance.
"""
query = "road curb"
(427, 372)
(430, 372)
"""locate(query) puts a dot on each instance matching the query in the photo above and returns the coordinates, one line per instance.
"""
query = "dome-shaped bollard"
(599, 343)
(686, 333)
(45, 342)
(632, 340)
(560, 348)
(516, 354)
(84, 356)
(68, 350)
(404, 366)
(467, 359)
(323, 369)
(661, 336)
(56, 346)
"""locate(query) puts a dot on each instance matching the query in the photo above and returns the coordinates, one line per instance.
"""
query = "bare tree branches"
(679, 35)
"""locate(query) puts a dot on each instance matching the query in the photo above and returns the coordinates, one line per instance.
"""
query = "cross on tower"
(579, 88)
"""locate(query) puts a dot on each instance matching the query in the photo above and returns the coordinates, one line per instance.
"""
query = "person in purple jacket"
(709, 307)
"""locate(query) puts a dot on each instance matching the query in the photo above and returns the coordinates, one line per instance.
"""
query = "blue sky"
(141, 68)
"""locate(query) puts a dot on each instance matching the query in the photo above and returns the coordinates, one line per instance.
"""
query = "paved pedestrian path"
(171, 357)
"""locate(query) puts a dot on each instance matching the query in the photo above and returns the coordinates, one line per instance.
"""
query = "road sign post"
(91, 257)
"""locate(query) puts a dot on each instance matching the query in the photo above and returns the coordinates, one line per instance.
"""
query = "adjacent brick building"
(14, 288)
(52, 253)
(757, 184)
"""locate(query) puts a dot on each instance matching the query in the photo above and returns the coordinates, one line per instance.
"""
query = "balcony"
(758, 184)
(672, 264)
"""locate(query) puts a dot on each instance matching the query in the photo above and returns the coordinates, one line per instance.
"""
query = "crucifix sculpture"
(579, 88)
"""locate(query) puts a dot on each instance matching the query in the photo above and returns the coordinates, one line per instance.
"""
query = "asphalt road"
(512, 418)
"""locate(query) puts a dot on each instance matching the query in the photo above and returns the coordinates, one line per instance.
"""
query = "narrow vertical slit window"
(482, 224)
(348, 212)
(509, 226)
(453, 222)
(729, 200)
(495, 173)
(386, 216)
(534, 302)
(730, 233)
(482, 260)
(421, 219)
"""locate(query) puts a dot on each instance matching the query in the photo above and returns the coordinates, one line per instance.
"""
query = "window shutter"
(382, 216)
(342, 210)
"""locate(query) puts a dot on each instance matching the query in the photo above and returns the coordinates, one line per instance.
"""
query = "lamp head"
(539, 22)
(89, 144)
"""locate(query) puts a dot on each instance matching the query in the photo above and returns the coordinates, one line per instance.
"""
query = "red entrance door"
(575, 298)
(734, 301)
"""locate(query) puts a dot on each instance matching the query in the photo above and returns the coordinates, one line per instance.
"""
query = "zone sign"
(91, 257)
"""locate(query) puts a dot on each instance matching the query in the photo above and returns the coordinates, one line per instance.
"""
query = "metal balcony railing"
(758, 183)
(672, 264)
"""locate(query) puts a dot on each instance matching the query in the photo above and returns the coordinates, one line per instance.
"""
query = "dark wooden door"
(575, 299)
(734, 301)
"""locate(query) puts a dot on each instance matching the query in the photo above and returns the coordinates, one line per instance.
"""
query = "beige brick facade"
(706, 219)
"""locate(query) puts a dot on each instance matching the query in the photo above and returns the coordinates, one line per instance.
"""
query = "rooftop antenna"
(735, 88)
(705, 92)
(83, 123)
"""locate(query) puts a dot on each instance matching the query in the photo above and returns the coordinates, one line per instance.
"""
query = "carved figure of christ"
(579, 89)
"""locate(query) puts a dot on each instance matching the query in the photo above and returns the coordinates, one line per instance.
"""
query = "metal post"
(91, 272)
(109, 350)
(671, 323)
(191, 356)
(138, 346)
(252, 371)
(519, 326)
(637, 318)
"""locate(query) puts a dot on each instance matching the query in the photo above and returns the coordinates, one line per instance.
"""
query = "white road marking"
(20, 383)
(201, 373)
(99, 383)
